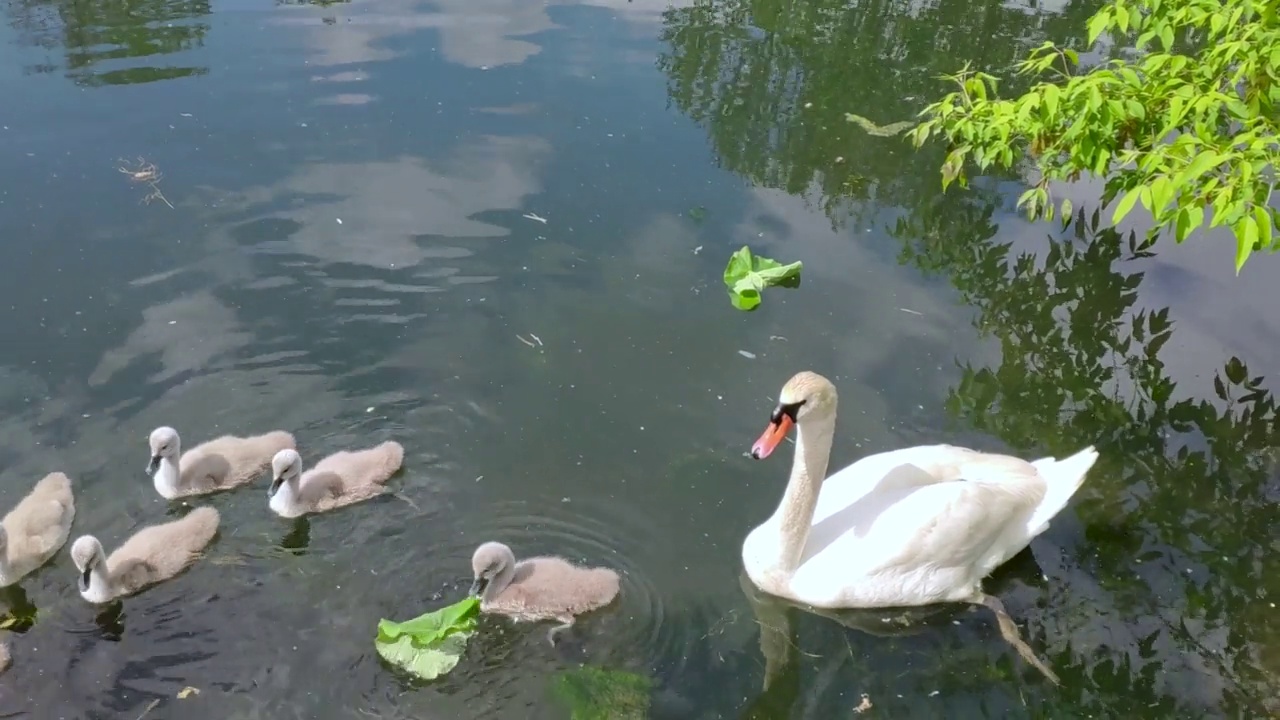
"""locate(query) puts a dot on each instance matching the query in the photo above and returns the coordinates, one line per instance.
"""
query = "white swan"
(909, 527)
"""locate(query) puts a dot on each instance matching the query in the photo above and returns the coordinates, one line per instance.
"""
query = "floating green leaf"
(872, 128)
(429, 645)
(598, 694)
(746, 275)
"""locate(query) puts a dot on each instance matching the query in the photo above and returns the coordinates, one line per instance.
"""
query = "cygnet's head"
(164, 444)
(806, 396)
(87, 554)
(286, 465)
(490, 560)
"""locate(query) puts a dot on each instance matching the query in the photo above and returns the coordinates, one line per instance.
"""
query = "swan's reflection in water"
(780, 687)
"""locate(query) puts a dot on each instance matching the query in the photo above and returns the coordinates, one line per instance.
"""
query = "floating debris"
(535, 217)
(146, 173)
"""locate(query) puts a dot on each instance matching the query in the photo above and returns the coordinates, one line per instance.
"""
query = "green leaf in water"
(429, 645)
(746, 275)
(598, 694)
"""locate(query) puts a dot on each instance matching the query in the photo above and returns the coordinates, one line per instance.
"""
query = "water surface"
(494, 232)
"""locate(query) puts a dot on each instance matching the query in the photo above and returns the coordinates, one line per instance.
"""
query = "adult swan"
(909, 527)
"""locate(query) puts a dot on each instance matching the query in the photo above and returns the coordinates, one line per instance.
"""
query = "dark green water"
(349, 256)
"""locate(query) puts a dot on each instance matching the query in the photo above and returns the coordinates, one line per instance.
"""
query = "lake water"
(495, 232)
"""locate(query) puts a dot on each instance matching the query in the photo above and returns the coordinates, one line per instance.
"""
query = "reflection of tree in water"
(771, 82)
(104, 40)
(1178, 514)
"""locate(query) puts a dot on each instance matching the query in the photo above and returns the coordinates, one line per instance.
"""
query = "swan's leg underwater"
(566, 623)
(1010, 633)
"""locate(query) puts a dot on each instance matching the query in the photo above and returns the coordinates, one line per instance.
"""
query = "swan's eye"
(789, 409)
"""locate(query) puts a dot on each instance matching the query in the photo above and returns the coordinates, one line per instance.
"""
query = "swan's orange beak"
(773, 434)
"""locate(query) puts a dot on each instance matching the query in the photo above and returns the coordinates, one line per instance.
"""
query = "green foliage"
(597, 694)
(747, 275)
(429, 645)
(1194, 136)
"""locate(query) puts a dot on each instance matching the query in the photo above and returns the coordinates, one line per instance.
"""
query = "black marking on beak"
(84, 578)
(153, 465)
(479, 586)
(275, 485)
(790, 410)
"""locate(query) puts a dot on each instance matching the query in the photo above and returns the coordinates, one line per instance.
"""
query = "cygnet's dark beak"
(276, 482)
(153, 465)
(479, 585)
(84, 578)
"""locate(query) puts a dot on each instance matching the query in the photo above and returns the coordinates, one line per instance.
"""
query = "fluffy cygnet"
(341, 479)
(219, 464)
(539, 588)
(37, 528)
(153, 554)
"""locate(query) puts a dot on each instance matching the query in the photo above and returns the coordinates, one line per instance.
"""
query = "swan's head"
(87, 554)
(806, 396)
(490, 560)
(164, 444)
(285, 466)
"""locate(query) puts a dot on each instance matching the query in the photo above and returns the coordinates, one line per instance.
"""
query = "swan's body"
(37, 528)
(340, 479)
(219, 464)
(538, 588)
(153, 554)
(909, 527)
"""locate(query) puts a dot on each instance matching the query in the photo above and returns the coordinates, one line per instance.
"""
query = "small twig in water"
(412, 504)
(149, 708)
(526, 342)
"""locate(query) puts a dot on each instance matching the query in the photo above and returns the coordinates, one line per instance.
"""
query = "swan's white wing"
(899, 527)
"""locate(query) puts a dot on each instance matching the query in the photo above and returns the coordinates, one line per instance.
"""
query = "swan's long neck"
(794, 515)
(166, 478)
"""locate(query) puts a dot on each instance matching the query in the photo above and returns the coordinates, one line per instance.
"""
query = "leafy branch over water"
(1194, 136)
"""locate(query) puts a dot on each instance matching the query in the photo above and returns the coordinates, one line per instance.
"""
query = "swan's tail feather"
(1062, 478)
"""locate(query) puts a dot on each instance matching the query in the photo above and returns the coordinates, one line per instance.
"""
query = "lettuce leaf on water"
(429, 645)
(747, 275)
